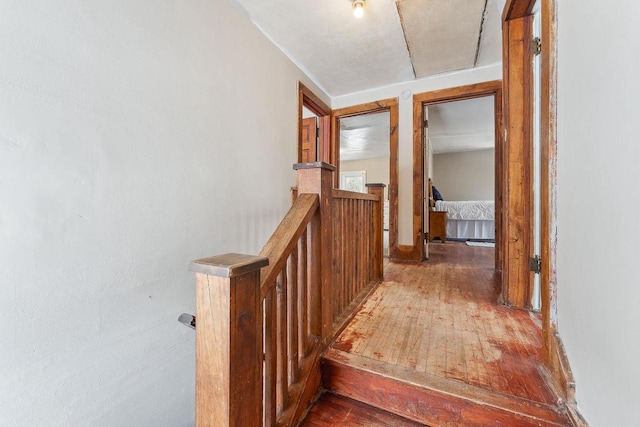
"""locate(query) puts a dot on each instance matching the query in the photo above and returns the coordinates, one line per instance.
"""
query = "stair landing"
(431, 344)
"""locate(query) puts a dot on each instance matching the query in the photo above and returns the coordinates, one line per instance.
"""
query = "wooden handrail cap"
(228, 265)
(314, 165)
(373, 184)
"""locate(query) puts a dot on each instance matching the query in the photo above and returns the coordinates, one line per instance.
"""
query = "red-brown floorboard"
(332, 410)
(441, 318)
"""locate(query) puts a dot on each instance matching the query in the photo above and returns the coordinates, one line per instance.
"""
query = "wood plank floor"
(440, 319)
(332, 410)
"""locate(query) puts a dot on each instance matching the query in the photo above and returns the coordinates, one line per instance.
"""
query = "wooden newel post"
(378, 232)
(317, 178)
(228, 340)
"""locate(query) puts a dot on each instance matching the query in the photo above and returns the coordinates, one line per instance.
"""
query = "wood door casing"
(308, 140)
(324, 151)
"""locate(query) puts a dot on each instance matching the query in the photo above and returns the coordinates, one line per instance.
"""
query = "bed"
(473, 219)
(469, 219)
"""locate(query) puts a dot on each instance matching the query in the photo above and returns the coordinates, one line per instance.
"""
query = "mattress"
(473, 219)
(468, 210)
(471, 229)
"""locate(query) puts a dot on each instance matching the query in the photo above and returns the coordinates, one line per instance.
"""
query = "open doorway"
(365, 139)
(365, 157)
(461, 171)
(439, 109)
(313, 128)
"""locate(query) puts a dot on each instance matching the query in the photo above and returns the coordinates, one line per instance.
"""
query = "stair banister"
(317, 178)
(228, 340)
(260, 332)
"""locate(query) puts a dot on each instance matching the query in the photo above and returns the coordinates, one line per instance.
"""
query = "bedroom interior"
(461, 147)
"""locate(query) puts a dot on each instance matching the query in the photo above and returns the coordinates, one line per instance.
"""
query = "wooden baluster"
(282, 385)
(341, 250)
(270, 359)
(303, 281)
(228, 340)
(292, 278)
(378, 254)
(317, 178)
(360, 245)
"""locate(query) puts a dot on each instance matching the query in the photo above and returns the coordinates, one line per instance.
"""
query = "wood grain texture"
(212, 351)
(430, 400)
(438, 322)
(517, 163)
(377, 229)
(308, 140)
(332, 410)
(514, 9)
(228, 265)
(308, 99)
(285, 238)
(228, 340)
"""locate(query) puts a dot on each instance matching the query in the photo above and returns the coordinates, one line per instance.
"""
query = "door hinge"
(536, 46)
(535, 264)
(426, 123)
(317, 132)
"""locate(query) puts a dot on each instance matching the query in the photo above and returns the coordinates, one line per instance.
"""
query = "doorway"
(460, 166)
(365, 158)
(379, 120)
(421, 103)
(313, 128)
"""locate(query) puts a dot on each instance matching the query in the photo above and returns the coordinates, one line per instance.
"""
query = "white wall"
(127, 150)
(465, 175)
(377, 170)
(598, 205)
(404, 94)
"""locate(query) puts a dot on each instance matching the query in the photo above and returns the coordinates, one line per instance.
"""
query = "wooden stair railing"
(260, 333)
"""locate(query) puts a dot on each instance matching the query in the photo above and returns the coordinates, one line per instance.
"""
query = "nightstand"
(438, 225)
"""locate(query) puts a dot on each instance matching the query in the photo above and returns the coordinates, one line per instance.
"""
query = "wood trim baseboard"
(575, 417)
(558, 377)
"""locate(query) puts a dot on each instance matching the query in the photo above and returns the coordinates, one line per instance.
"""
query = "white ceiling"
(396, 41)
(462, 125)
(453, 127)
(395, 37)
(364, 137)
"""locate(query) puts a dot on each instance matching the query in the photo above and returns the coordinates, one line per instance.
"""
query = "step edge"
(339, 357)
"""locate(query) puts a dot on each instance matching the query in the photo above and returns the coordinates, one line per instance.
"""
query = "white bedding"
(469, 219)
(476, 210)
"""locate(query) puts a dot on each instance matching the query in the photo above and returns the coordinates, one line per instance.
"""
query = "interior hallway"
(438, 324)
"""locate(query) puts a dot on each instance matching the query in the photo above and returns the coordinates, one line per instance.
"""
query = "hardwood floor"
(441, 318)
(433, 346)
(332, 410)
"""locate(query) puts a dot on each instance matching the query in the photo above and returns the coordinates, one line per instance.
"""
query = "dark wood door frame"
(422, 100)
(390, 105)
(308, 99)
(518, 109)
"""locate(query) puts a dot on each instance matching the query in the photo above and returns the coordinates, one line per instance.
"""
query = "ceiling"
(462, 125)
(395, 41)
(364, 137)
(457, 126)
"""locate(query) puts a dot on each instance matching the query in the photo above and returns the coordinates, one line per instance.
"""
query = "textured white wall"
(135, 136)
(598, 205)
(466, 175)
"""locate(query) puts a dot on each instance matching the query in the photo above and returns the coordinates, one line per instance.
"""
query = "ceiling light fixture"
(358, 8)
